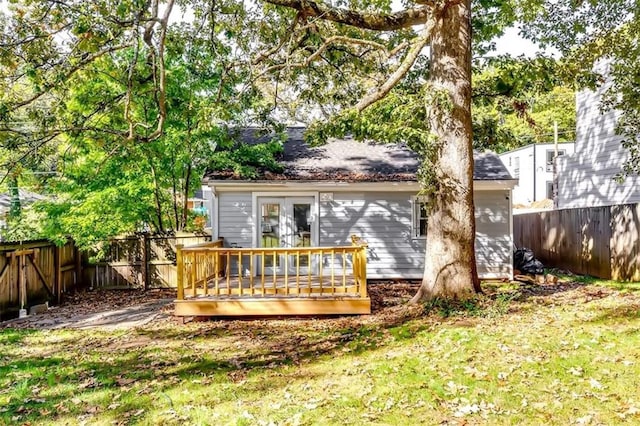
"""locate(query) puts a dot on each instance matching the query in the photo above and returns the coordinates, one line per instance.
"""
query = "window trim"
(549, 162)
(416, 200)
(549, 186)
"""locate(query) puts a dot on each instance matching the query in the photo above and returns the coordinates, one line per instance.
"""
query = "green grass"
(555, 355)
(586, 279)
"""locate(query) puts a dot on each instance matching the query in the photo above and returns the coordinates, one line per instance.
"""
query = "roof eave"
(327, 185)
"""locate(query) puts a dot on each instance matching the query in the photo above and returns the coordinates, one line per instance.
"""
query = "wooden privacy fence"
(38, 271)
(35, 272)
(603, 242)
(139, 261)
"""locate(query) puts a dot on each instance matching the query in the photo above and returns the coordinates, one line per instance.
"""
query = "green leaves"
(516, 102)
(248, 161)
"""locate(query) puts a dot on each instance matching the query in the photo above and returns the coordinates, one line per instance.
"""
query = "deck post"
(180, 271)
(360, 264)
(363, 270)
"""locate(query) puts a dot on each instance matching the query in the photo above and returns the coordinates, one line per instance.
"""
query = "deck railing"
(213, 270)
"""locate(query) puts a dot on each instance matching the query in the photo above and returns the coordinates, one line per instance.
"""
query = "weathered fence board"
(35, 272)
(625, 242)
(601, 241)
(139, 261)
(38, 271)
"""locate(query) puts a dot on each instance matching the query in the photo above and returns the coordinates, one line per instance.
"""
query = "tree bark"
(450, 262)
(156, 193)
(185, 197)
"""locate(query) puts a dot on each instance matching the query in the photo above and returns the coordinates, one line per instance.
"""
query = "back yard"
(568, 353)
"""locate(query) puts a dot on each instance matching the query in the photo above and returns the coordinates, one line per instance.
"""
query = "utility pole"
(555, 165)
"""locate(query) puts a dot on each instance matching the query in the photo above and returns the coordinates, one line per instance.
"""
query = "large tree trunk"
(450, 263)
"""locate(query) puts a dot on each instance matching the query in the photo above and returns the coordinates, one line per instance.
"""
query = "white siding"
(533, 176)
(494, 243)
(519, 162)
(587, 177)
(235, 221)
(384, 221)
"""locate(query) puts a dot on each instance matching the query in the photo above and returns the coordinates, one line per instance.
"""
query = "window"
(419, 217)
(516, 167)
(550, 190)
(550, 155)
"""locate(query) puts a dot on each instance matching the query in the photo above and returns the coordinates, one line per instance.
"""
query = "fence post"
(57, 274)
(22, 283)
(78, 266)
(180, 271)
(145, 260)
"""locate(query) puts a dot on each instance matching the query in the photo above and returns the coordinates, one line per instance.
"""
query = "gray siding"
(235, 221)
(586, 178)
(494, 244)
(384, 221)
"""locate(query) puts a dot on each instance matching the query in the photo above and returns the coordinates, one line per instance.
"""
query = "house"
(532, 166)
(26, 198)
(587, 177)
(196, 205)
(346, 187)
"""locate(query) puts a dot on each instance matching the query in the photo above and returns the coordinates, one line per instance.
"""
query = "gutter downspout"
(215, 217)
(535, 183)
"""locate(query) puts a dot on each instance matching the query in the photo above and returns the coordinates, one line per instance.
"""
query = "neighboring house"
(197, 204)
(587, 178)
(26, 198)
(346, 187)
(532, 165)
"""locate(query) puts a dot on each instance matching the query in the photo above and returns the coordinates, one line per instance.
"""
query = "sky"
(513, 44)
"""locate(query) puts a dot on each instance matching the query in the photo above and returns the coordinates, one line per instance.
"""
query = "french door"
(286, 222)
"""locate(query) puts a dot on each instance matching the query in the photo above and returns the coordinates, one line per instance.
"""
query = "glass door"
(300, 231)
(288, 223)
(270, 230)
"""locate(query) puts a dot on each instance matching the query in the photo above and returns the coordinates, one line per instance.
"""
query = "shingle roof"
(350, 160)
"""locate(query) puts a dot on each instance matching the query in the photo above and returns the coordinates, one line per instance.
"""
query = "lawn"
(561, 354)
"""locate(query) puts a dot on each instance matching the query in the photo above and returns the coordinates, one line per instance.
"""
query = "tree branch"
(400, 72)
(276, 48)
(159, 59)
(328, 42)
(370, 21)
(67, 75)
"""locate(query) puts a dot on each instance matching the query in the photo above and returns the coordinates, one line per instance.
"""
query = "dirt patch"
(112, 309)
(133, 308)
(103, 309)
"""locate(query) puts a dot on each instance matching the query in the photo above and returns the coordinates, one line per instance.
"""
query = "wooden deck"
(218, 281)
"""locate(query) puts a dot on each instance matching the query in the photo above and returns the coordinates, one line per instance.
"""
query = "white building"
(532, 165)
(587, 178)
